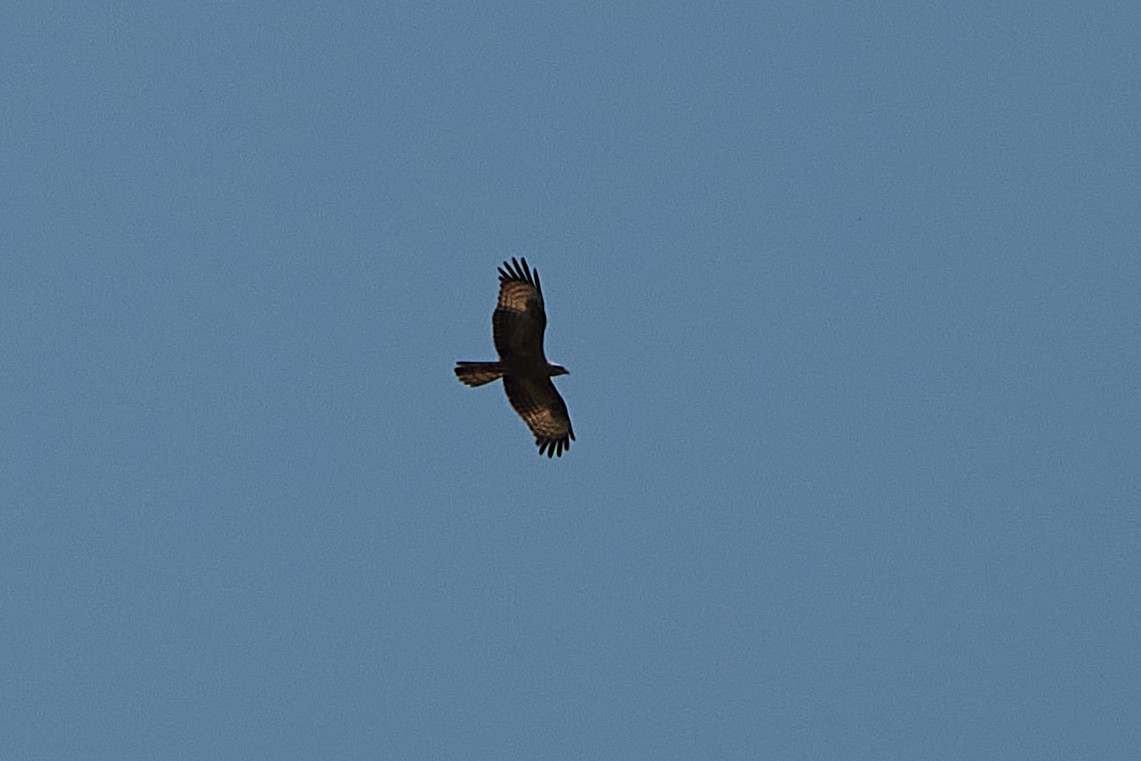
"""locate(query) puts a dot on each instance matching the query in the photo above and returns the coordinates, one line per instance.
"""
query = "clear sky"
(850, 294)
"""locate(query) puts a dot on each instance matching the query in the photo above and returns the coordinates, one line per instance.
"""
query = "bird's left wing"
(543, 410)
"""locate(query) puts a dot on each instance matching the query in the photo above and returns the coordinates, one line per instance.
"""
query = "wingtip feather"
(518, 269)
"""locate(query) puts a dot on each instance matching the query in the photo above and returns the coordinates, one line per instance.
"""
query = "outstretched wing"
(519, 318)
(543, 410)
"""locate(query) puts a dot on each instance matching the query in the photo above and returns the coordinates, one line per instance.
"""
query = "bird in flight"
(517, 326)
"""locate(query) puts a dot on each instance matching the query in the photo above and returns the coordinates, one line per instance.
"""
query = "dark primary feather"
(518, 324)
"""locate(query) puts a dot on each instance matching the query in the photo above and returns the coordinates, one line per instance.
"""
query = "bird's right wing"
(519, 318)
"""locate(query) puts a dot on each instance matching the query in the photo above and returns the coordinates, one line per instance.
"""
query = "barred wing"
(519, 318)
(543, 410)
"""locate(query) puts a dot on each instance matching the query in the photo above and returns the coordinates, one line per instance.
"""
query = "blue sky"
(850, 298)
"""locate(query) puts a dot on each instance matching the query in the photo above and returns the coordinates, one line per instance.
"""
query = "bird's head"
(553, 370)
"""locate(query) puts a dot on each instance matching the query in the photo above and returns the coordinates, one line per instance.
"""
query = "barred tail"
(478, 373)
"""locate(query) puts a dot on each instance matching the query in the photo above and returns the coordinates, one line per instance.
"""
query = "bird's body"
(518, 324)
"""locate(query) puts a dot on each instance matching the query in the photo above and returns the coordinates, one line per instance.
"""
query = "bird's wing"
(519, 319)
(543, 410)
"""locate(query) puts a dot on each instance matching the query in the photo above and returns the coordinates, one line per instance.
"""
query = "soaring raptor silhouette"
(517, 325)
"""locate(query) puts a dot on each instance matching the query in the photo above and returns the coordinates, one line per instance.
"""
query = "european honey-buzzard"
(517, 325)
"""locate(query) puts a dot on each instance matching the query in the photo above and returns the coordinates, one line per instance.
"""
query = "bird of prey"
(517, 327)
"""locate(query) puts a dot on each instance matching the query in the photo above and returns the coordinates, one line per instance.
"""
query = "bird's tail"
(478, 373)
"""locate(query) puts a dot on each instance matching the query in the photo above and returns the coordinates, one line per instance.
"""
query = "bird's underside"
(518, 324)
